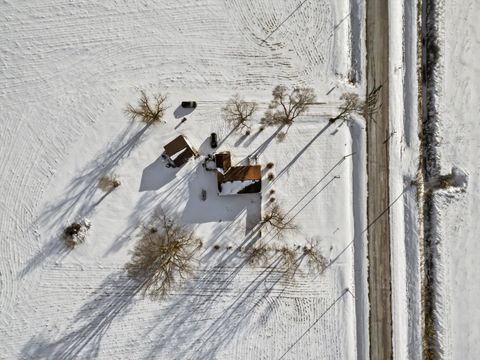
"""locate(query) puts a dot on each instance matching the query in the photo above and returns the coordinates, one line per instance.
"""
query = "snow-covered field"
(67, 72)
(459, 247)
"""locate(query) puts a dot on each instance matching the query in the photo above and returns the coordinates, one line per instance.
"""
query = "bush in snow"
(148, 110)
(163, 256)
(108, 183)
(257, 254)
(76, 233)
(287, 260)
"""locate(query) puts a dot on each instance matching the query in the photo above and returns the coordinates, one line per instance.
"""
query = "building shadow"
(156, 175)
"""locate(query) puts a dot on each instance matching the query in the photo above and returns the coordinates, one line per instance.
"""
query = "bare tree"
(285, 107)
(315, 260)
(276, 219)
(258, 254)
(162, 257)
(371, 104)
(238, 112)
(353, 104)
(148, 110)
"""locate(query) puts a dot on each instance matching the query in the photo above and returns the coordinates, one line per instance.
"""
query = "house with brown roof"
(232, 180)
(179, 151)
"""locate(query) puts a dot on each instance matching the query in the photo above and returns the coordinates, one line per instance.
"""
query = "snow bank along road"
(379, 274)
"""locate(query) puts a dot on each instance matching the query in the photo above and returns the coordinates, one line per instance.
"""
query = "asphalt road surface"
(379, 273)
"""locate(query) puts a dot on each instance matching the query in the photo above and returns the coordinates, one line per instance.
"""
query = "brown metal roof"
(241, 173)
(176, 145)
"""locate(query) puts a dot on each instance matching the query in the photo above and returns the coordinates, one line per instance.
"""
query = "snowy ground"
(458, 147)
(68, 70)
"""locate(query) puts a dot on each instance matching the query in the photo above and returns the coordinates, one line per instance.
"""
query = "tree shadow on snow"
(114, 298)
(81, 196)
(212, 311)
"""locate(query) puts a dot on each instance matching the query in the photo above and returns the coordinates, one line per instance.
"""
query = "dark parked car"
(189, 104)
(213, 140)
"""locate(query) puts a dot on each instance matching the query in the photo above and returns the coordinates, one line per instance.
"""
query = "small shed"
(179, 151)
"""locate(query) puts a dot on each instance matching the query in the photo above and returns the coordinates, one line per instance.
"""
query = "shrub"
(288, 261)
(76, 233)
(270, 176)
(269, 165)
(258, 254)
(315, 260)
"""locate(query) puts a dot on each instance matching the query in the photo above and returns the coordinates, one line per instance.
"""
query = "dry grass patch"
(108, 183)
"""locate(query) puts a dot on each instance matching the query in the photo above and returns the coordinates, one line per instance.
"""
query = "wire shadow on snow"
(113, 299)
(82, 195)
(300, 153)
(169, 196)
(314, 323)
(196, 326)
